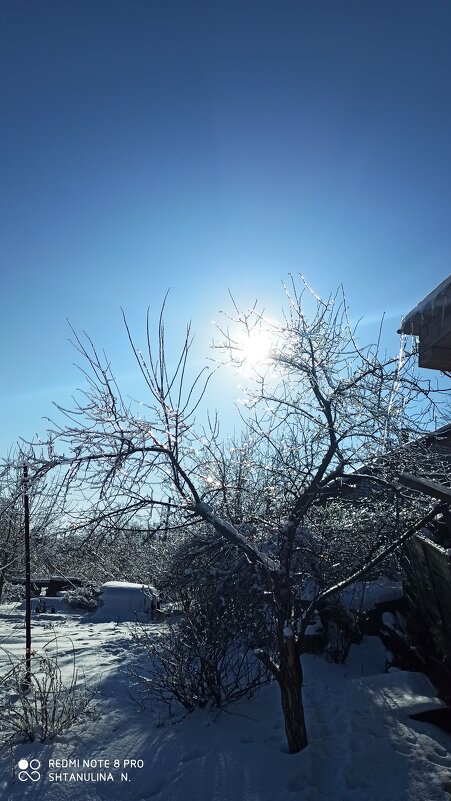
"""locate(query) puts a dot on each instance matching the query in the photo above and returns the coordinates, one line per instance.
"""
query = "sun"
(254, 348)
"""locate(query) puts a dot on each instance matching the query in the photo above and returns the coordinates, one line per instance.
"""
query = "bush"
(205, 654)
(12, 592)
(220, 589)
(82, 598)
(342, 630)
(47, 706)
(198, 666)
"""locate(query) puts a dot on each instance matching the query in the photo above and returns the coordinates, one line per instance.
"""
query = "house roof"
(438, 491)
(435, 462)
(432, 306)
(430, 320)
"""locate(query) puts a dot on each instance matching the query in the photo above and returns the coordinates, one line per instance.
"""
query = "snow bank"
(363, 746)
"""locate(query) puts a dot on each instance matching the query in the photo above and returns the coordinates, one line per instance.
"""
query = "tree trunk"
(290, 683)
(2, 581)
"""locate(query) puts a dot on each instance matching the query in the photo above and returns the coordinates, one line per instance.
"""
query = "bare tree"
(319, 407)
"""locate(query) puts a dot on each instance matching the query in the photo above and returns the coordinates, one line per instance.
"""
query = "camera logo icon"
(29, 770)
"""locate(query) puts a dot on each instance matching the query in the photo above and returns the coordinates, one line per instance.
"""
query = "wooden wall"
(428, 588)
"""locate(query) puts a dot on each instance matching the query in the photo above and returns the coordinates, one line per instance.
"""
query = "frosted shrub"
(12, 593)
(48, 706)
(82, 598)
(207, 656)
(197, 666)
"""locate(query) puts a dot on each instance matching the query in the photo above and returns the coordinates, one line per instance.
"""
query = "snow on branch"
(230, 533)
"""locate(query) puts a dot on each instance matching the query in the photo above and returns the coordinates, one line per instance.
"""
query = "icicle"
(396, 384)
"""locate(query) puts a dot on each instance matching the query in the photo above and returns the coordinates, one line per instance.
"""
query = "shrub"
(205, 654)
(198, 666)
(82, 598)
(47, 706)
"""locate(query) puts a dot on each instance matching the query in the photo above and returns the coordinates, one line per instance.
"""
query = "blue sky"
(205, 145)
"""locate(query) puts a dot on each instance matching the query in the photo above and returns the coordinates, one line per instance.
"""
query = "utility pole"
(26, 504)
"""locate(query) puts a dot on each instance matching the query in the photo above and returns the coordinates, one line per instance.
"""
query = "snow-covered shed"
(124, 601)
(430, 320)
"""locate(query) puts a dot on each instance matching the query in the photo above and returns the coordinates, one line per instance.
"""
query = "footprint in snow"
(444, 760)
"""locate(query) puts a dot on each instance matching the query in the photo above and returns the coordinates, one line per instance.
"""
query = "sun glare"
(254, 348)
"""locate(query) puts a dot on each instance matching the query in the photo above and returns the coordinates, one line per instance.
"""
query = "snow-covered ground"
(363, 745)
